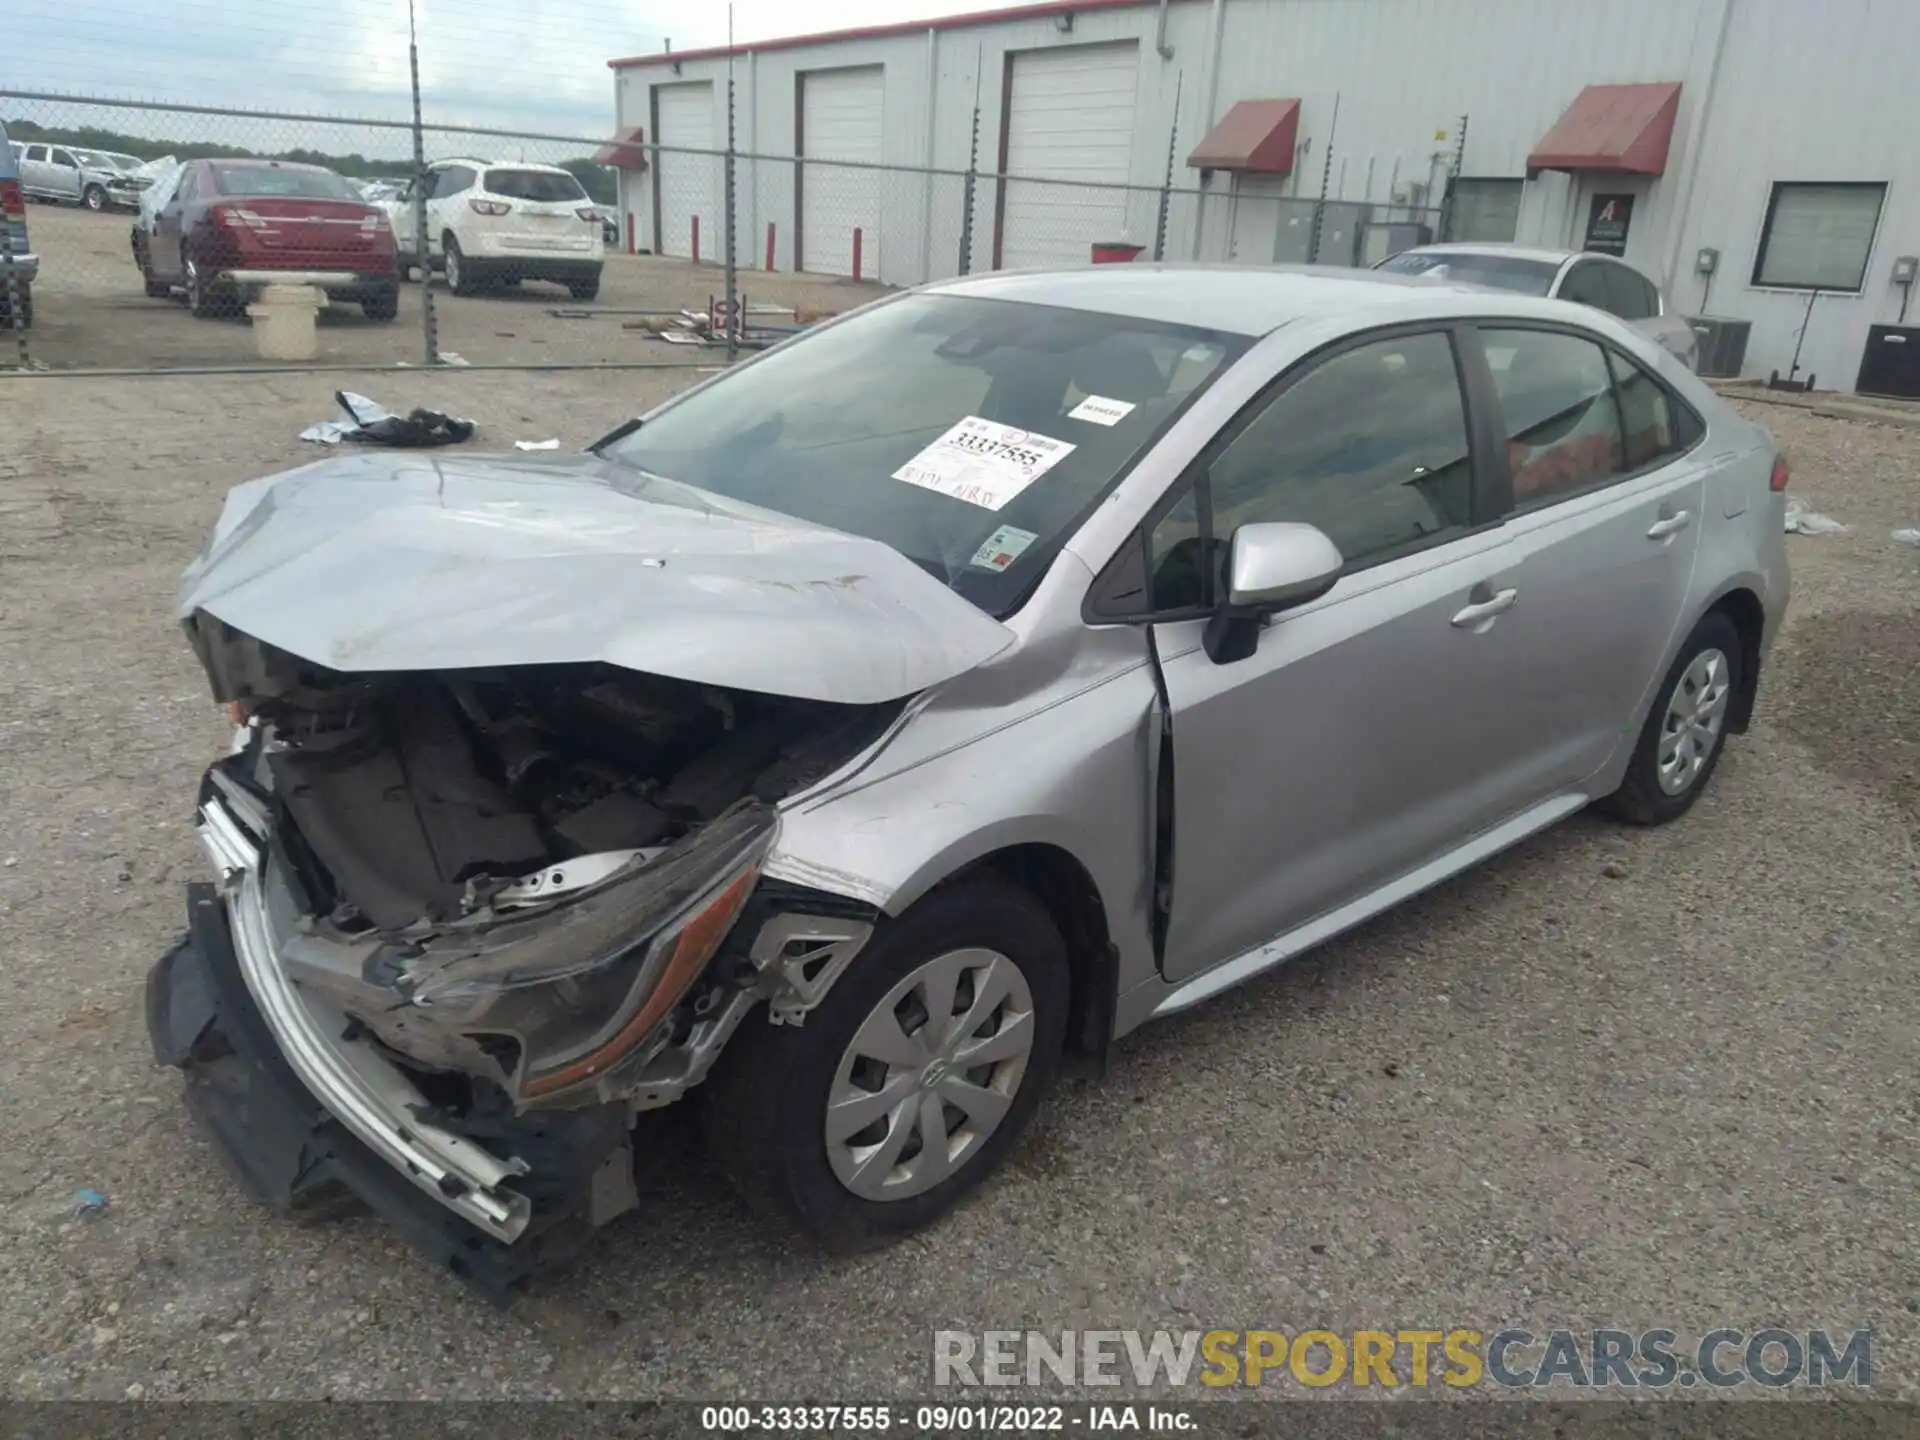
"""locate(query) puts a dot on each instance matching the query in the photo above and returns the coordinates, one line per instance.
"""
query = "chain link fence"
(189, 237)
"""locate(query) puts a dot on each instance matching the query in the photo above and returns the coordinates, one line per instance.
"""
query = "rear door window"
(1629, 295)
(1562, 423)
(1586, 284)
(453, 180)
(539, 186)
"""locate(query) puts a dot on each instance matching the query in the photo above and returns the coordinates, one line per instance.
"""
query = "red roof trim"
(626, 151)
(1254, 136)
(1625, 129)
(881, 32)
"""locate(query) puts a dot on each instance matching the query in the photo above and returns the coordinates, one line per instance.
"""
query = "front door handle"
(1478, 612)
(1671, 521)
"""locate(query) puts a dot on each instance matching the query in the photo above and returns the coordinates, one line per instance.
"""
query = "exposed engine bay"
(426, 798)
(518, 875)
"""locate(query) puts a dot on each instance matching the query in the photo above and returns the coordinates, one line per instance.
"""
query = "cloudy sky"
(538, 64)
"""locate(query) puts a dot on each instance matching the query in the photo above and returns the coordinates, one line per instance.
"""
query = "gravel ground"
(1614, 1078)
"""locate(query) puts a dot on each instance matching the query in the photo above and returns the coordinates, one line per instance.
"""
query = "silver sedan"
(908, 713)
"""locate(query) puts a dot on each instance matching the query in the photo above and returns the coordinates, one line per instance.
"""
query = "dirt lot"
(90, 312)
(1615, 1078)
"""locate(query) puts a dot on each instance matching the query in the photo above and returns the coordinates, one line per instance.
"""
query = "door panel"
(1366, 734)
(1604, 542)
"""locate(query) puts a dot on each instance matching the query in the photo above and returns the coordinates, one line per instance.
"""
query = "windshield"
(538, 185)
(970, 435)
(1502, 272)
(268, 181)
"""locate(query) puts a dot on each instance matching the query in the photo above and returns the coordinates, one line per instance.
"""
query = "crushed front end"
(466, 925)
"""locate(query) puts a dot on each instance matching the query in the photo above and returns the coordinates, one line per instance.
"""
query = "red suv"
(227, 216)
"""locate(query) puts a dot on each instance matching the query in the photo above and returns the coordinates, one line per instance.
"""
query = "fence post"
(769, 247)
(696, 239)
(1166, 184)
(1444, 220)
(17, 303)
(856, 254)
(1326, 179)
(966, 190)
(729, 221)
(429, 331)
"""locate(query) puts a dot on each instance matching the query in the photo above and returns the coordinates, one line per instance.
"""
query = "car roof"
(1508, 251)
(480, 164)
(1239, 299)
(257, 161)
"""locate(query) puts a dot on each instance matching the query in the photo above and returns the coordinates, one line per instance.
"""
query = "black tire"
(156, 288)
(202, 304)
(384, 306)
(765, 1103)
(584, 289)
(1641, 800)
(461, 278)
(21, 318)
(94, 198)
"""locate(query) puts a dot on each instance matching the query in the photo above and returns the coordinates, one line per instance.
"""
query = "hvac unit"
(1890, 365)
(1383, 241)
(1723, 346)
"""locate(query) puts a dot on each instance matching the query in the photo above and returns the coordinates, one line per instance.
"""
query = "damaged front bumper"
(300, 1050)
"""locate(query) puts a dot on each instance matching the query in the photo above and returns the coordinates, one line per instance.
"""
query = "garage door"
(1069, 117)
(686, 186)
(841, 115)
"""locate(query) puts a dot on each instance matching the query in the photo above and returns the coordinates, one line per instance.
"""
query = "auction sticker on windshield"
(1000, 549)
(1100, 410)
(983, 463)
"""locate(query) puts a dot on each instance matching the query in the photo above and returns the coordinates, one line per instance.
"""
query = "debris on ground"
(536, 444)
(89, 1202)
(1907, 537)
(365, 421)
(745, 326)
(1804, 521)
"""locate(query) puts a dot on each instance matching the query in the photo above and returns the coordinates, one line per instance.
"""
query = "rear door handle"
(1669, 524)
(1481, 611)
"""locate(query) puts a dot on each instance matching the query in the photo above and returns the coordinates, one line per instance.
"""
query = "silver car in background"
(1577, 275)
(901, 716)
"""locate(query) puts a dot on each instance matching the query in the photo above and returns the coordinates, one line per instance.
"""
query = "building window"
(1818, 236)
(1485, 209)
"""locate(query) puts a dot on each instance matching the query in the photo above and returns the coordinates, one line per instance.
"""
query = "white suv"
(500, 222)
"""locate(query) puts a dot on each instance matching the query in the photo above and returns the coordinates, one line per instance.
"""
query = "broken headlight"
(581, 987)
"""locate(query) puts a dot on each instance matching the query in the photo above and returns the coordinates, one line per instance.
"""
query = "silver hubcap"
(929, 1075)
(1695, 712)
(193, 281)
(453, 268)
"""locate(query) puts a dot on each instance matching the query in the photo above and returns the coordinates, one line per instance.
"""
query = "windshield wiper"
(619, 432)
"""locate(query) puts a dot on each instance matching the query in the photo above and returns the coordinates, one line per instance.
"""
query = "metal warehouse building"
(1755, 157)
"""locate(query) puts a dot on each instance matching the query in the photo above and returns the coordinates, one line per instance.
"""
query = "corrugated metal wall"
(1771, 90)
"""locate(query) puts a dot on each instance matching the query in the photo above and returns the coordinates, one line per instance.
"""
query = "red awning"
(624, 150)
(1255, 136)
(1612, 127)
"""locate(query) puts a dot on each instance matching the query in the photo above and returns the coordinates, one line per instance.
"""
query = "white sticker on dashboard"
(1000, 549)
(983, 462)
(1101, 411)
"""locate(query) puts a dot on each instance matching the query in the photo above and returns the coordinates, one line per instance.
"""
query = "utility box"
(1382, 240)
(1890, 365)
(1723, 346)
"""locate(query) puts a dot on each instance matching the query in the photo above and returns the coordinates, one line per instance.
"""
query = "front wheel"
(910, 1082)
(1681, 742)
(95, 198)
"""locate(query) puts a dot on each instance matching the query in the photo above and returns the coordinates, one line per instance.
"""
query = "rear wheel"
(460, 277)
(910, 1082)
(588, 289)
(1681, 742)
(16, 310)
(383, 306)
(200, 299)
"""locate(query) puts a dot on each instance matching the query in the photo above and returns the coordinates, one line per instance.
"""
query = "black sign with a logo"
(1607, 224)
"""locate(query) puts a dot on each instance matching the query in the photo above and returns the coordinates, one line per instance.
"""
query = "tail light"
(12, 203)
(1779, 481)
(587, 212)
(490, 207)
(377, 221)
(240, 218)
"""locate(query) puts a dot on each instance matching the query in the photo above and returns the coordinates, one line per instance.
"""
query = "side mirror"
(1271, 567)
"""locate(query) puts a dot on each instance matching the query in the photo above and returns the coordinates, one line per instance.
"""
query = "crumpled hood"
(394, 561)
